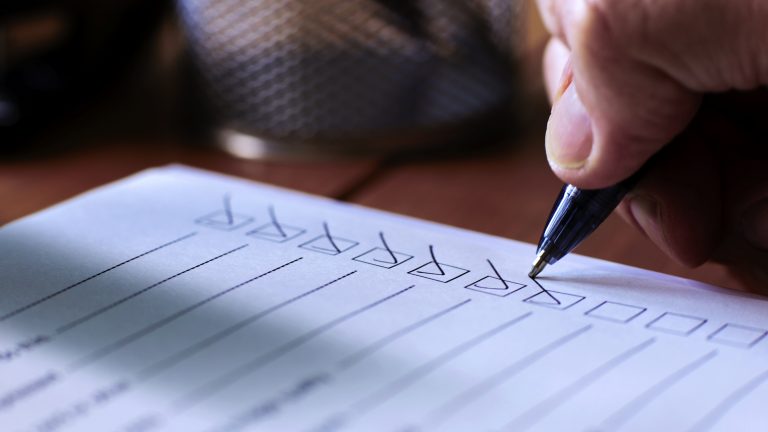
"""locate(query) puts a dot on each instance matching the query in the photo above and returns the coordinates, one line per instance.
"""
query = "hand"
(682, 78)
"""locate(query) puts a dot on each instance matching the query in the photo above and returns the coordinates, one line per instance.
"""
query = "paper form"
(181, 300)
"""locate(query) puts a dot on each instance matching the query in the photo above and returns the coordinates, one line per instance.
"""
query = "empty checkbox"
(495, 286)
(381, 257)
(223, 220)
(439, 272)
(329, 245)
(276, 233)
(554, 299)
(738, 335)
(616, 312)
(677, 324)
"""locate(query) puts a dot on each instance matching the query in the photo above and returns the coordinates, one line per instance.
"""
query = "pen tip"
(538, 266)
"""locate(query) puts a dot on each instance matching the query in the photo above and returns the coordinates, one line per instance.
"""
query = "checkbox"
(438, 272)
(276, 233)
(554, 299)
(329, 245)
(677, 324)
(381, 257)
(495, 286)
(224, 221)
(616, 312)
(738, 335)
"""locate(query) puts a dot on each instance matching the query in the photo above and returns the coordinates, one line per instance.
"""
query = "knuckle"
(589, 22)
(600, 22)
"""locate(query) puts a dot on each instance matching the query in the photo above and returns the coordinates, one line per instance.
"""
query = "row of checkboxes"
(668, 322)
(735, 335)
(679, 324)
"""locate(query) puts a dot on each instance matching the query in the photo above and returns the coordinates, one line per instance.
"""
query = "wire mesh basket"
(351, 75)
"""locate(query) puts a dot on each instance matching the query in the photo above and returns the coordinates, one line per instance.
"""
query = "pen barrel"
(576, 214)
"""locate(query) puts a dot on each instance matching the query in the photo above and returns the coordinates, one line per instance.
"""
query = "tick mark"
(545, 291)
(506, 285)
(330, 238)
(275, 223)
(227, 201)
(439, 268)
(389, 251)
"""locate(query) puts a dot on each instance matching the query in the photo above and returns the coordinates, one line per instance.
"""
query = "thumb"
(614, 115)
(638, 69)
(606, 140)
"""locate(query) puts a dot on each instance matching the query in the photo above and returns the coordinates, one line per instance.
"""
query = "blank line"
(65, 289)
(94, 314)
(717, 413)
(173, 359)
(462, 400)
(217, 384)
(28, 389)
(539, 411)
(359, 355)
(165, 321)
(633, 407)
(403, 382)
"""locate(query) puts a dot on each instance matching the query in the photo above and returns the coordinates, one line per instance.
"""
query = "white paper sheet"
(183, 300)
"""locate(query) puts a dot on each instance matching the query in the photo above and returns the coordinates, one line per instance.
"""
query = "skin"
(684, 82)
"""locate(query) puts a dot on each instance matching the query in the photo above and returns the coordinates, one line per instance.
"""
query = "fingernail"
(754, 223)
(646, 213)
(569, 132)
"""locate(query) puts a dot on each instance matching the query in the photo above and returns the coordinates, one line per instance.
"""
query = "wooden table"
(507, 192)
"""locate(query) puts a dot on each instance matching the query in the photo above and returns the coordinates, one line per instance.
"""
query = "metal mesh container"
(351, 75)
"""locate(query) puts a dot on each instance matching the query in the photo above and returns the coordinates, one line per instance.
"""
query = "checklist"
(183, 300)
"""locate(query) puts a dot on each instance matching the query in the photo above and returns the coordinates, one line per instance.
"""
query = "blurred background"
(430, 108)
(306, 78)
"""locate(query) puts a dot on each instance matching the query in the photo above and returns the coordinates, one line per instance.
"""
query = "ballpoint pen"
(576, 213)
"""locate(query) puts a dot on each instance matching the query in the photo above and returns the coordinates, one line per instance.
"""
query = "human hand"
(629, 78)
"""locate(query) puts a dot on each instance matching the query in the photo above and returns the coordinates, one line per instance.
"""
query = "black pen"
(577, 212)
